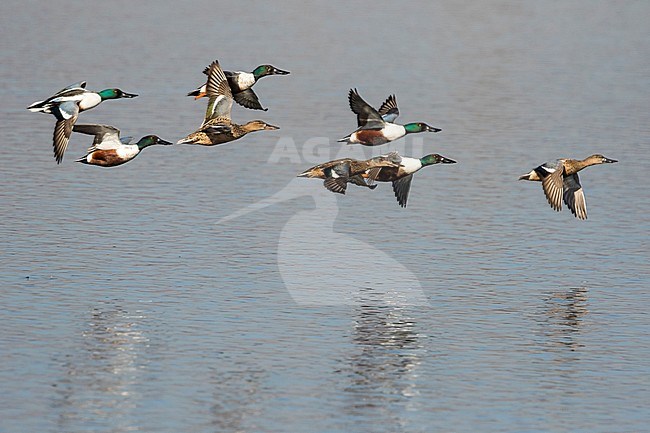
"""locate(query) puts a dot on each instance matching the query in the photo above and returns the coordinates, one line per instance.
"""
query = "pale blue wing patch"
(67, 110)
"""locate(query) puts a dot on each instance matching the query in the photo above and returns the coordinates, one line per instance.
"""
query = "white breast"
(411, 165)
(89, 100)
(128, 151)
(245, 80)
(393, 131)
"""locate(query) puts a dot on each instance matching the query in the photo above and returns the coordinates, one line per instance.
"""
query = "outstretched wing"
(574, 196)
(247, 98)
(367, 117)
(553, 187)
(81, 85)
(106, 136)
(62, 131)
(401, 188)
(336, 184)
(388, 110)
(218, 91)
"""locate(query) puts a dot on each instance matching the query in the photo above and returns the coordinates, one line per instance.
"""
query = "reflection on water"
(383, 368)
(224, 346)
(561, 318)
(235, 397)
(101, 375)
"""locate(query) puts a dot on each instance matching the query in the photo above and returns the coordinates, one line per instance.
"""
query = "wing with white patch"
(106, 136)
(574, 196)
(66, 110)
(388, 110)
(217, 129)
(401, 188)
(218, 91)
(342, 169)
(81, 85)
(367, 117)
(553, 188)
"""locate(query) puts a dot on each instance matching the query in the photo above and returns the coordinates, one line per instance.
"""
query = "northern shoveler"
(108, 149)
(241, 84)
(66, 104)
(217, 128)
(376, 127)
(402, 176)
(340, 172)
(560, 181)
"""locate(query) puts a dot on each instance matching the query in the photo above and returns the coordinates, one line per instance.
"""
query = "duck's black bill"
(277, 71)
(164, 142)
(447, 161)
(610, 160)
(432, 129)
(128, 95)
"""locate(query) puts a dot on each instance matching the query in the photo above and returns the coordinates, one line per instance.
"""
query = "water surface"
(132, 303)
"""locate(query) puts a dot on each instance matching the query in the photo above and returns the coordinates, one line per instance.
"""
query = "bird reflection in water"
(562, 316)
(383, 369)
(237, 398)
(101, 375)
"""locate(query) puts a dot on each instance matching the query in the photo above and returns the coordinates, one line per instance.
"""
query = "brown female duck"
(340, 172)
(560, 181)
(217, 128)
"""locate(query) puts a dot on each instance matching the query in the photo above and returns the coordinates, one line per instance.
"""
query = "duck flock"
(559, 178)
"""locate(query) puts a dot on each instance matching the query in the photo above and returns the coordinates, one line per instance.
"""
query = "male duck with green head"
(402, 175)
(66, 104)
(376, 126)
(109, 150)
(241, 84)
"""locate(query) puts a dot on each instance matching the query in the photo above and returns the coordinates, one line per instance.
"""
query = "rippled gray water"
(207, 289)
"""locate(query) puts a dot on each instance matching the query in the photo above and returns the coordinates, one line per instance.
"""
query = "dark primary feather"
(388, 110)
(248, 99)
(62, 131)
(99, 131)
(367, 116)
(401, 188)
(338, 184)
(574, 196)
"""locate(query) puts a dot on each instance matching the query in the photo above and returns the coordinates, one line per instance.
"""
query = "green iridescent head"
(264, 70)
(434, 158)
(419, 127)
(115, 94)
(150, 140)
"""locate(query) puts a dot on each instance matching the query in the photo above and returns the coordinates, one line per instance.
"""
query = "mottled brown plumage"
(560, 182)
(338, 173)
